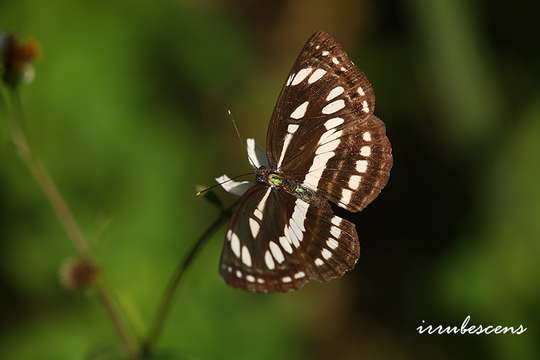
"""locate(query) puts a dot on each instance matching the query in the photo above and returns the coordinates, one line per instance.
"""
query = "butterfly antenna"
(200, 192)
(238, 134)
(235, 126)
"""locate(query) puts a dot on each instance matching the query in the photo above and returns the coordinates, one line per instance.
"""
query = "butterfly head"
(275, 179)
(267, 176)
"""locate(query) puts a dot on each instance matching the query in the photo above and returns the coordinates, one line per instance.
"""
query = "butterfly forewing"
(323, 133)
(355, 172)
(277, 242)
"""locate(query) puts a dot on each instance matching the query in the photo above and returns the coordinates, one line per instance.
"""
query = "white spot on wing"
(262, 203)
(300, 76)
(354, 181)
(366, 136)
(313, 177)
(326, 254)
(269, 260)
(332, 243)
(335, 92)
(250, 278)
(296, 223)
(300, 111)
(276, 252)
(258, 214)
(335, 231)
(296, 230)
(254, 227)
(333, 107)
(235, 245)
(325, 53)
(330, 135)
(361, 166)
(286, 143)
(317, 74)
(299, 275)
(291, 236)
(246, 256)
(284, 242)
(361, 91)
(256, 157)
(336, 220)
(318, 262)
(326, 135)
(332, 123)
(330, 146)
(292, 128)
(238, 274)
(346, 196)
(319, 162)
(365, 107)
(365, 151)
(286, 279)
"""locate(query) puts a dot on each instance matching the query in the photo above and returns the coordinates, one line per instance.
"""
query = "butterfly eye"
(275, 179)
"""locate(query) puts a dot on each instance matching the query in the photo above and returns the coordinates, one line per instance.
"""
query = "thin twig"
(66, 218)
(48, 186)
(174, 281)
(128, 344)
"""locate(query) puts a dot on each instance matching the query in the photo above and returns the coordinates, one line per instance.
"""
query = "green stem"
(174, 281)
(64, 215)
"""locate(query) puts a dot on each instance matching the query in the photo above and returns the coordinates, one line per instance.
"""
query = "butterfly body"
(279, 182)
(324, 145)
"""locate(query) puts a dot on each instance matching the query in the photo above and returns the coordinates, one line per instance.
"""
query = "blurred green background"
(128, 111)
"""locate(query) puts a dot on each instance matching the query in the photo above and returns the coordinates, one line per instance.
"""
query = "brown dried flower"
(16, 59)
(77, 273)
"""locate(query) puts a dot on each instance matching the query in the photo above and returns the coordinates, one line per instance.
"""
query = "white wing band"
(233, 187)
(256, 156)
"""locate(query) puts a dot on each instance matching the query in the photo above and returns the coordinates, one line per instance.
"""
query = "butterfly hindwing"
(246, 259)
(332, 247)
(277, 242)
(323, 133)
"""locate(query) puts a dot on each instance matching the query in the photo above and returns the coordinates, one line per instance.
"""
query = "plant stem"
(47, 185)
(174, 281)
(66, 218)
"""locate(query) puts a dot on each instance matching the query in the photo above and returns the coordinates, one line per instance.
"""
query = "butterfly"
(324, 145)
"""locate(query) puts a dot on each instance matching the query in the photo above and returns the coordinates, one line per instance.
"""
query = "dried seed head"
(16, 60)
(76, 273)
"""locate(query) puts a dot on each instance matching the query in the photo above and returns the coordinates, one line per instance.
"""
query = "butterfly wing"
(323, 133)
(277, 243)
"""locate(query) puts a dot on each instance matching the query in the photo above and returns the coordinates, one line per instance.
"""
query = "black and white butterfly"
(323, 145)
